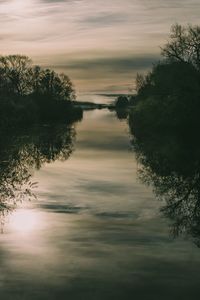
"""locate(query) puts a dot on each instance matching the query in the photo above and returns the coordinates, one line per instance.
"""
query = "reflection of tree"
(171, 164)
(121, 114)
(23, 151)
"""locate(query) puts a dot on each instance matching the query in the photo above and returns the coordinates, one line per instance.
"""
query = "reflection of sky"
(95, 98)
(101, 46)
(95, 232)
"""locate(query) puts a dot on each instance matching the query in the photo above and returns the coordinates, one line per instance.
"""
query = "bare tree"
(15, 72)
(184, 45)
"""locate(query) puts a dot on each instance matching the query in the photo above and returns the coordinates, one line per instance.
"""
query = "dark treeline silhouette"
(29, 93)
(168, 97)
(22, 151)
(164, 124)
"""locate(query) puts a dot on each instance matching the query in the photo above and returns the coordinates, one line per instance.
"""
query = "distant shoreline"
(87, 105)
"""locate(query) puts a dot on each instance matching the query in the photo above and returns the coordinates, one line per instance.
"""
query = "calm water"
(94, 231)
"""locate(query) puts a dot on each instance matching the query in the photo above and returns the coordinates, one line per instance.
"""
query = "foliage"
(168, 96)
(15, 75)
(53, 85)
(29, 93)
(122, 102)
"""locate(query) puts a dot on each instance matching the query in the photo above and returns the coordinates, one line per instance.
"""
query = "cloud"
(54, 1)
(114, 74)
(121, 64)
(49, 29)
(62, 209)
(104, 19)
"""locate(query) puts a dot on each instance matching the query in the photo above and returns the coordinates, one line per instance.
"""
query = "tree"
(19, 77)
(167, 98)
(121, 102)
(139, 82)
(67, 91)
(36, 79)
(15, 75)
(29, 93)
(181, 62)
(56, 86)
(184, 45)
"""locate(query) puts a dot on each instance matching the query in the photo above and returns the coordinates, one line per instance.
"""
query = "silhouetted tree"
(168, 96)
(140, 82)
(122, 102)
(184, 45)
(19, 77)
(29, 93)
(37, 75)
(15, 75)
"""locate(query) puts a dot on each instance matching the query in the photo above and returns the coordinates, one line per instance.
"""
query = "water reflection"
(122, 114)
(95, 232)
(170, 162)
(24, 221)
(22, 151)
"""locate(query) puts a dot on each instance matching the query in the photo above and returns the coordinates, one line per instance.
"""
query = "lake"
(95, 231)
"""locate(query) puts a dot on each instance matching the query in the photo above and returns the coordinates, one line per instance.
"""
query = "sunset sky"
(101, 45)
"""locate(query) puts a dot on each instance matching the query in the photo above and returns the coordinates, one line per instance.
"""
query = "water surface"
(94, 231)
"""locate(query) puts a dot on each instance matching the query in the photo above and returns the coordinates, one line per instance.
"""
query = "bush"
(121, 102)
